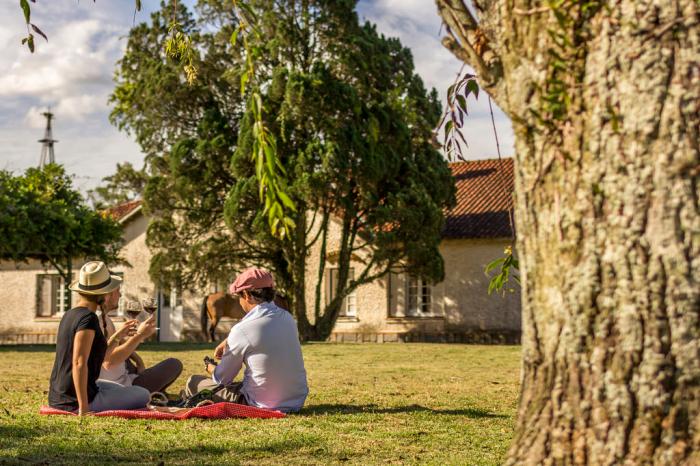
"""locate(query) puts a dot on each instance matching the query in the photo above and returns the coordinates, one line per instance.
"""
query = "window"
(410, 296)
(170, 297)
(419, 297)
(349, 306)
(52, 295)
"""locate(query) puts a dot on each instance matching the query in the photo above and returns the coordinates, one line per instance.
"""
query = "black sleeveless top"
(62, 394)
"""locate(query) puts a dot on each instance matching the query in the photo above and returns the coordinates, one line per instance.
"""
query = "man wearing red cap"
(267, 343)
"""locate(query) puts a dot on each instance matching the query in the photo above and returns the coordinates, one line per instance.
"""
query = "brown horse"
(221, 304)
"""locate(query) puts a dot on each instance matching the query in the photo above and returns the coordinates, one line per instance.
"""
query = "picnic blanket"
(222, 410)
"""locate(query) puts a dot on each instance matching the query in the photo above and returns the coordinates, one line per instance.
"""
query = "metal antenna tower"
(48, 141)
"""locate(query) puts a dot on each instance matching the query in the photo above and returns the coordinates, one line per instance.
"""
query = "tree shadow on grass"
(27, 348)
(147, 346)
(56, 451)
(323, 409)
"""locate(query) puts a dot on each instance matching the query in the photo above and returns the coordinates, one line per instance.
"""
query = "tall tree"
(188, 134)
(126, 184)
(354, 127)
(44, 218)
(353, 124)
(605, 102)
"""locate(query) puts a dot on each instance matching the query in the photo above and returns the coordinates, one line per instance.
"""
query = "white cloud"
(417, 24)
(73, 74)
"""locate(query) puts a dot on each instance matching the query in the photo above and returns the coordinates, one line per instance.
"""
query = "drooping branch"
(467, 41)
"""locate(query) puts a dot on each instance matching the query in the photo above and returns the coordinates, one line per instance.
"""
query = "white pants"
(111, 395)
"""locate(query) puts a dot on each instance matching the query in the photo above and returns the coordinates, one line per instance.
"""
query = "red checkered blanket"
(213, 411)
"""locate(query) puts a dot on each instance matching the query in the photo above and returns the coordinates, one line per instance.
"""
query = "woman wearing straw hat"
(81, 347)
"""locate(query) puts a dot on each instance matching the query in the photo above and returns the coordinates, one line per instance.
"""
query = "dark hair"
(263, 294)
(93, 298)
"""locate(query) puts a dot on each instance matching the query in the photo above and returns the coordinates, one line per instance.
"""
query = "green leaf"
(473, 86)
(234, 35)
(448, 126)
(289, 222)
(244, 81)
(30, 42)
(269, 158)
(286, 200)
(462, 103)
(492, 265)
(39, 31)
(138, 5)
(26, 10)
(247, 8)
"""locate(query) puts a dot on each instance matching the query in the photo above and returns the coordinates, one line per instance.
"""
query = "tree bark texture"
(608, 222)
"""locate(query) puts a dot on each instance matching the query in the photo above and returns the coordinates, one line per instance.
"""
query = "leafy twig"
(268, 168)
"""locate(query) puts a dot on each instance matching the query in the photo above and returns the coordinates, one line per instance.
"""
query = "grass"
(368, 404)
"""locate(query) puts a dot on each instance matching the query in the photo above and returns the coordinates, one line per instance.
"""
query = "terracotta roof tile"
(484, 197)
(120, 211)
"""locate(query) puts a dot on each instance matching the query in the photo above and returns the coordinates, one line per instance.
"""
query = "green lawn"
(369, 403)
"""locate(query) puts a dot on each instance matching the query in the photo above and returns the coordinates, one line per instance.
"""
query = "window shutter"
(44, 296)
(328, 288)
(397, 294)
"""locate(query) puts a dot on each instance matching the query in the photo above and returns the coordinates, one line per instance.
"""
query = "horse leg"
(212, 327)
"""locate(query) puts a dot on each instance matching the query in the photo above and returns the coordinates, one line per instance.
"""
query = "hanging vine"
(33, 28)
(269, 170)
(453, 144)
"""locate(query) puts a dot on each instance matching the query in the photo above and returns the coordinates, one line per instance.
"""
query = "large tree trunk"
(608, 222)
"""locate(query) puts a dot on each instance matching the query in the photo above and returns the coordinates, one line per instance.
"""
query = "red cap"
(252, 279)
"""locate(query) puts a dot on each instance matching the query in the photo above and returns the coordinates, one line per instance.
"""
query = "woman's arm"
(82, 343)
(138, 362)
(122, 352)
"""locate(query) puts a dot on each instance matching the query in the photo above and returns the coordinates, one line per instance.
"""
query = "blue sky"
(73, 73)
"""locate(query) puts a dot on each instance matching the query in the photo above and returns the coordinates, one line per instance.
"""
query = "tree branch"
(467, 41)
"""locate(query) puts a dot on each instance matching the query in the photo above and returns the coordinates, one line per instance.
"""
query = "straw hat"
(95, 279)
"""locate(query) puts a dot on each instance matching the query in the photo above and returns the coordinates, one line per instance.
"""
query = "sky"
(73, 71)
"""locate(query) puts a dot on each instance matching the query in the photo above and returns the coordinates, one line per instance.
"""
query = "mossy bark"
(608, 224)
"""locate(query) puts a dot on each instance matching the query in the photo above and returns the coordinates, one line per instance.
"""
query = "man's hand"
(147, 327)
(220, 350)
(209, 365)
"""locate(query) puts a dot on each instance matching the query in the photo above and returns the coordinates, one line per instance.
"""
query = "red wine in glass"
(133, 313)
(131, 309)
(149, 305)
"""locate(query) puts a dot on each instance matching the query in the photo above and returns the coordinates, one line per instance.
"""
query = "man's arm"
(232, 359)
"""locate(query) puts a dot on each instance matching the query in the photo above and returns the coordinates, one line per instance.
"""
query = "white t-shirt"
(267, 342)
(117, 373)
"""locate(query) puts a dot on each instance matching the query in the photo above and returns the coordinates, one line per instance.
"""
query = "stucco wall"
(137, 284)
(18, 299)
(467, 303)
(460, 302)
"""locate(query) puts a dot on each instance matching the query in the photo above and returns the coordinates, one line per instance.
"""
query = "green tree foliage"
(126, 184)
(353, 125)
(187, 133)
(42, 217)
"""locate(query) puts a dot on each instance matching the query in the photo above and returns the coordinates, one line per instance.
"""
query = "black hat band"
(95, 287)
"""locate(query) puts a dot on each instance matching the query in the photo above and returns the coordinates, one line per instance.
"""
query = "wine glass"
(132, 309)
(149, 305)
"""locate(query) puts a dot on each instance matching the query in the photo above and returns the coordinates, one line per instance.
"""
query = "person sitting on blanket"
(81, 347)
(118, 367)
(267, 342)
